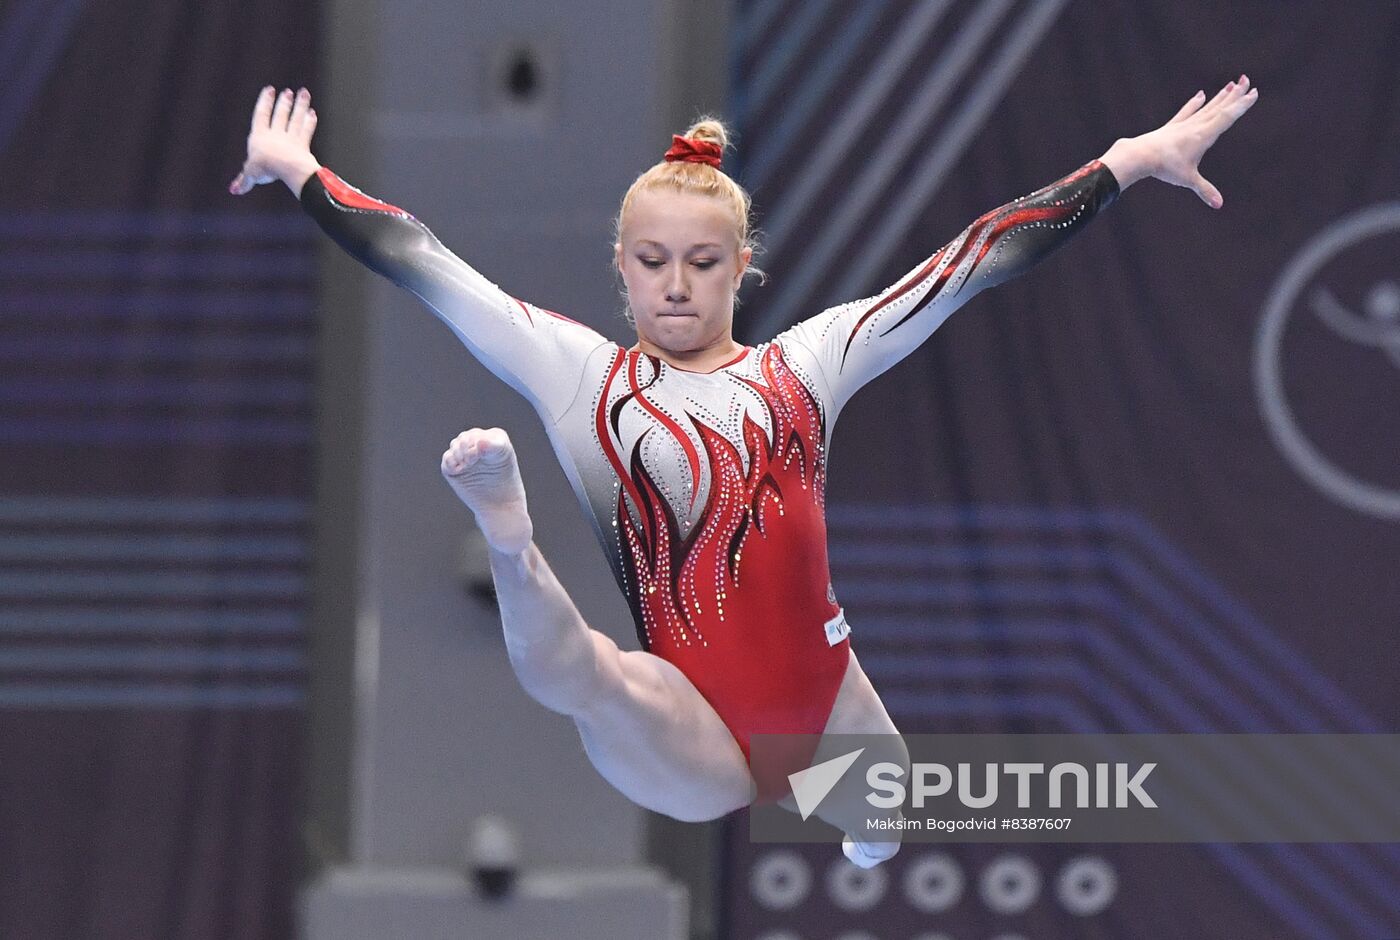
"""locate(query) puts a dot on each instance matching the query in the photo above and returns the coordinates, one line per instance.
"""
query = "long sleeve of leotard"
(855, 342)
(538, 353)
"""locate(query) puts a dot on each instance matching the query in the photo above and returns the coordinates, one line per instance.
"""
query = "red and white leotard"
(706, 489)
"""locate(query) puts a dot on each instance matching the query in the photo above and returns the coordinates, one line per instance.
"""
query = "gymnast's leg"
(643, 724)
(858, 710)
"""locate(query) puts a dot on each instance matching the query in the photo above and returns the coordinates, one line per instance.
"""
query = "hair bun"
(704, 142)
(693, 150)
(711, 130)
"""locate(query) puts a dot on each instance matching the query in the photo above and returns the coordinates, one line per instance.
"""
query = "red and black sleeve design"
(1002, 244)
(381, 236)
(538, 353)
(854, 342)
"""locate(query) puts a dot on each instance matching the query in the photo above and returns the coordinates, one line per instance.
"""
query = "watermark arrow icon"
(810, 786)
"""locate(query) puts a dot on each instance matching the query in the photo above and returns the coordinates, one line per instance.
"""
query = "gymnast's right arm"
(538, 353)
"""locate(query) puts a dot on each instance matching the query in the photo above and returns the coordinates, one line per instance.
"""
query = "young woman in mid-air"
(700, 462)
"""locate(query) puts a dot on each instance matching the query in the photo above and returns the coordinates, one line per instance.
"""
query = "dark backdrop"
(155, 413)
(1149, 486)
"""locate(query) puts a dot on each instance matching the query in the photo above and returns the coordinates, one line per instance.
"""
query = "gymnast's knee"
(703, 810)
(567, 678)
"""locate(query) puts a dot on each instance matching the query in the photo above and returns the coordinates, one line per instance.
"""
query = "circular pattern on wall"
(1010, 884)
(1086, 885)
(934, 883)
(854, 888)
(780, 880)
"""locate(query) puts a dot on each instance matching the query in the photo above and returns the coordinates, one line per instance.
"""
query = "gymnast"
(700, 462)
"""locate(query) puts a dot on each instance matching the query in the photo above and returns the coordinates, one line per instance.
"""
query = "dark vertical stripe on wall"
(1148, 486)
(155, 419)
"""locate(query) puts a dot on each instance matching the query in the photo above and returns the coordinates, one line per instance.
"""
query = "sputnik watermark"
(1084, 788)
(1112, 785)
(890, 792)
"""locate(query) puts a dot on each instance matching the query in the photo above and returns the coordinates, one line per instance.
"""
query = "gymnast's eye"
(705, 264)
(651, 262)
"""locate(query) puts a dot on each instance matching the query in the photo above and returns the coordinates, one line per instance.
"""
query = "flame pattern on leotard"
(680, 583)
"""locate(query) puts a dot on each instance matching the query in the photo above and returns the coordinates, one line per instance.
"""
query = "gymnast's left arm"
(857, 341)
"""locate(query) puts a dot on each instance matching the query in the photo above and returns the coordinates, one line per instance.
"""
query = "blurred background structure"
(250, 686)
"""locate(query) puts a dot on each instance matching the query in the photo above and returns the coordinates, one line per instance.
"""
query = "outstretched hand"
(1172, 153)
(279, 142)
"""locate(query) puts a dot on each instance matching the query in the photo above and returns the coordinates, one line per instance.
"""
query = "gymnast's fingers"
(1229, 96)
(262, 110)
(1235, 109)
(1220, 96)
(308, 126)
(282, 111)
(1189, 108)
(304, 122)
(1229, 112)
(301, 103)
(1222, 100)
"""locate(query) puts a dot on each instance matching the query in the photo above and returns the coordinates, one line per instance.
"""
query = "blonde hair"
(700, 179)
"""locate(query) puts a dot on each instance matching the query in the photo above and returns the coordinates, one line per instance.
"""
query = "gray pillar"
(456, 111)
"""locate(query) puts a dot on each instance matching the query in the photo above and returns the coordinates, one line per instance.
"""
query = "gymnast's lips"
(676, 314)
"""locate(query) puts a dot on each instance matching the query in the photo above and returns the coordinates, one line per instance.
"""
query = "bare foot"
(868, 854)
(480, 466)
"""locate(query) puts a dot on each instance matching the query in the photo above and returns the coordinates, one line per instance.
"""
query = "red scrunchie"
(690, 150)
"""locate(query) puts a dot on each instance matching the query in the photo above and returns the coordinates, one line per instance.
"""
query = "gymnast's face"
(681, 260)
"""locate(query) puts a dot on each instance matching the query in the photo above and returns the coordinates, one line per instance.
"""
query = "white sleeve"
(857, 341)
(538, 353)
